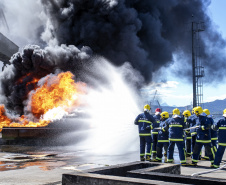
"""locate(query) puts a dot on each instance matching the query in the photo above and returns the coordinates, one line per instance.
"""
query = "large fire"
(54, 93)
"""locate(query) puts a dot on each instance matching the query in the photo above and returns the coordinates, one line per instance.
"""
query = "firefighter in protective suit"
(163, 137)
(154, 132)
(175, 125)
(221, 127)
(187, 114)
(203, 137)
(145, 122)
(192, 122)
(213, 133)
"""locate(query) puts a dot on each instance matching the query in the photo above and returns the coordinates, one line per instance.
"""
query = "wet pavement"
(45, 165)
(40, 165)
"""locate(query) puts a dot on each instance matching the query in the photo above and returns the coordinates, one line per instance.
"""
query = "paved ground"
(45, 165)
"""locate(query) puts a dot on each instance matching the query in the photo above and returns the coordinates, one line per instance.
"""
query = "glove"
(187, 131)
(202, 127)
(148, 128)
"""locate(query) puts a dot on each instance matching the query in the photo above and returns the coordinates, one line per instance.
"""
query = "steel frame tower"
(197, 68)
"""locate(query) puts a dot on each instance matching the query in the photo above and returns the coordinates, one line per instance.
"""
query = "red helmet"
(158, 110)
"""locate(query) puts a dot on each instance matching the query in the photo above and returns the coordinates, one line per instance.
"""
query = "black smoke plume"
(147, 33)
(35, 63)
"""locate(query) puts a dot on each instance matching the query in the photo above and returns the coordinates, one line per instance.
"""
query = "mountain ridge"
(215, 107)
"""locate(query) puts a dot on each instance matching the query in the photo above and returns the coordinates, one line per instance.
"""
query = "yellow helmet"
(187, 113)
(206, 111)
(176, 111)
(224, 112)
(164, 114)
(198, 110)
(147, 107)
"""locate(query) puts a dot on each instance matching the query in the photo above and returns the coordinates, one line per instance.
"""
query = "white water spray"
(113, 108)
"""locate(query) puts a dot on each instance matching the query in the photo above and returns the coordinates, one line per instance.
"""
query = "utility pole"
(197, 68)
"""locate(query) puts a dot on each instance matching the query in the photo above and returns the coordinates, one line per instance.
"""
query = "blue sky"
(179, 92)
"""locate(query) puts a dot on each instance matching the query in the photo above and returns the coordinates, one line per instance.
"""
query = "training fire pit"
(66, 130)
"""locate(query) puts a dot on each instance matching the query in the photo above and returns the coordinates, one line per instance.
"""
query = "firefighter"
(175, 125)
(163, 137)
(213, 134)
(192, 122)
(144, 122)
(221, 127)
(203, 137)
(186, 115)
(154, 132)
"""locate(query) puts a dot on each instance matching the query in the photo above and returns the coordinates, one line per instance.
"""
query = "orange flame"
(4, 120)
(57, 91)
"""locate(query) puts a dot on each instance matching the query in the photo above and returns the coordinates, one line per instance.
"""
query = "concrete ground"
(204, 166)
(45, 165)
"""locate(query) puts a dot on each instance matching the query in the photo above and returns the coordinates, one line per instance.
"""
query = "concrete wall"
(137, 173)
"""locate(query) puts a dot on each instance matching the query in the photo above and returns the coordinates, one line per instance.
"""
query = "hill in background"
(215, 107)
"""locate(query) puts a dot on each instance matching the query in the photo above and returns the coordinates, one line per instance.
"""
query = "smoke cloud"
(146, 33)
(141, 36)
(35, 63)
(23, 21)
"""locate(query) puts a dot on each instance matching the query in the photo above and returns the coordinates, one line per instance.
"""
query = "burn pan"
(65, 131)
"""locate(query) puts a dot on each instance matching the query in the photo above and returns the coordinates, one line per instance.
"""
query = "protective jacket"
(213, 133)
(188, 133)
(192, 122)
(203, 131)
(163, 135)
(203, 138)
(221, 126)
(144, 122)
(175, 125)
(157, 118)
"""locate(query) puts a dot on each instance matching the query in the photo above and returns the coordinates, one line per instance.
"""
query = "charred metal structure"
(7, 49)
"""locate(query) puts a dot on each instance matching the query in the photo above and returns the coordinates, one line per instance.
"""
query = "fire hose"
(159, 128)
(200, 173)
(191, 128)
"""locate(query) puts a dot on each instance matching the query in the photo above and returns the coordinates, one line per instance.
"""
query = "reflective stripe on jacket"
(144, 122)
(175, 125)
(156, 125)
(221, 126)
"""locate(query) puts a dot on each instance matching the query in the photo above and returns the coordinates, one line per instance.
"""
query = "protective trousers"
(193, 140)
(219, 155)
(154, 144)
(188, 146)
(181, 149)
(197, 150)
(214, 145)
(160, 146)
(145, 142)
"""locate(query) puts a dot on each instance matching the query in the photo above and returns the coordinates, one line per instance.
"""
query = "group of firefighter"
(189, 131)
